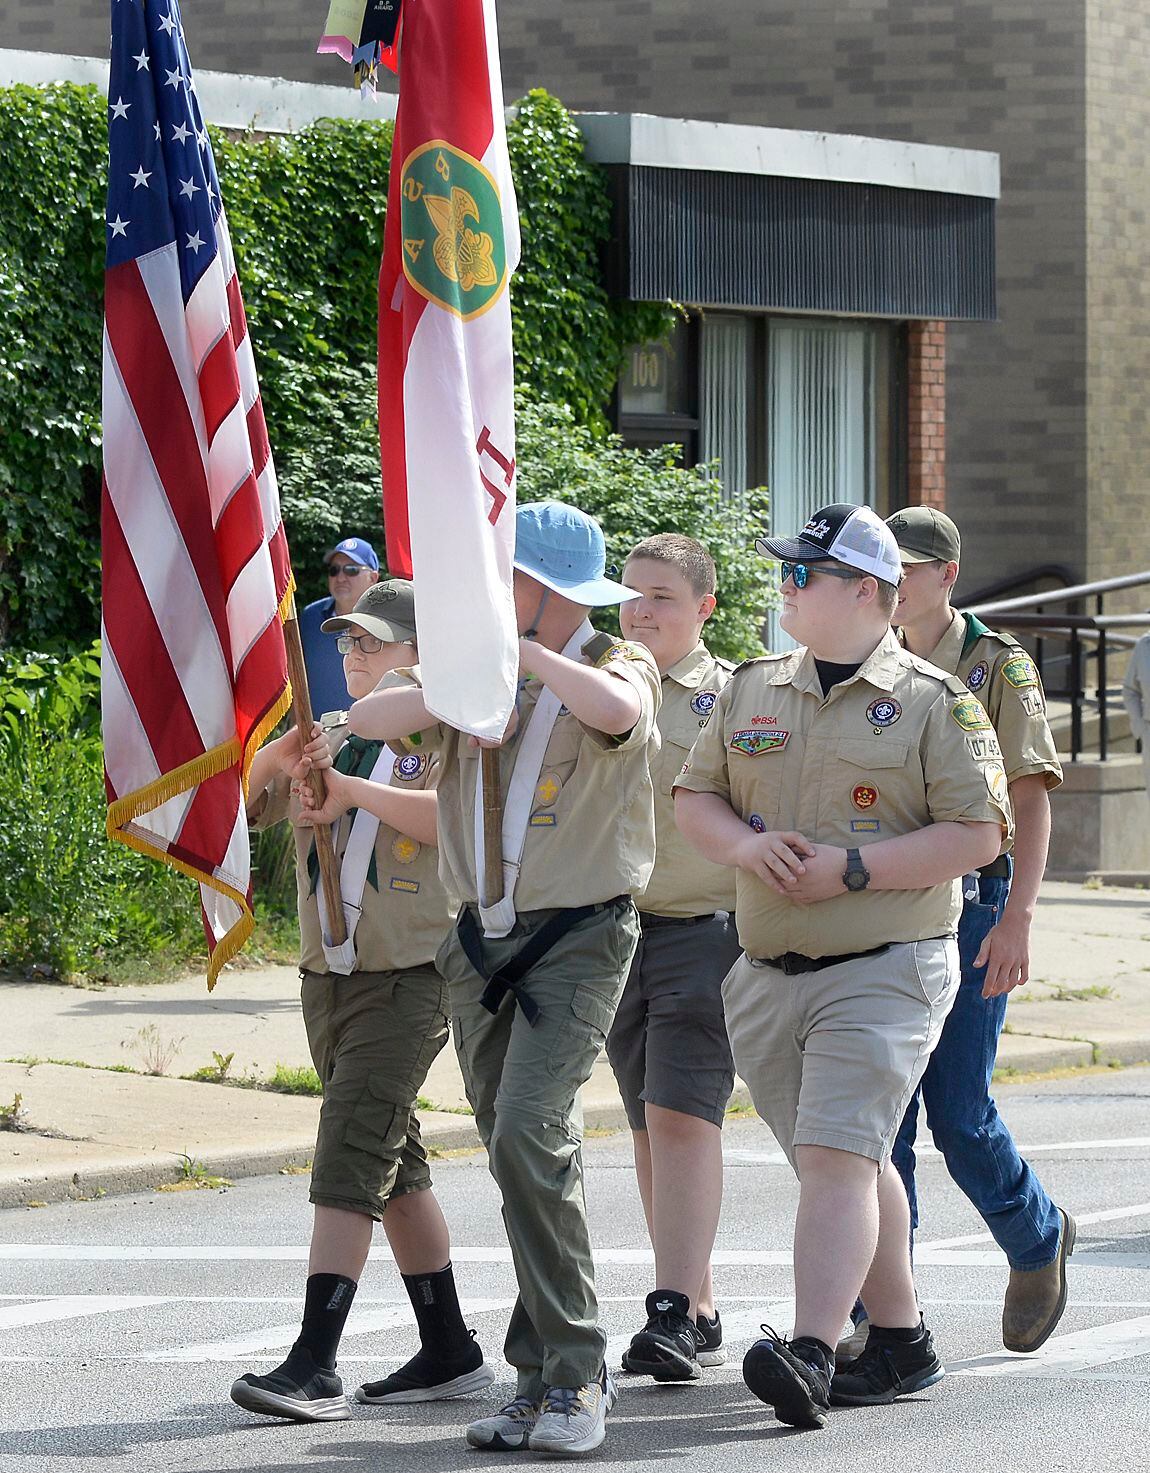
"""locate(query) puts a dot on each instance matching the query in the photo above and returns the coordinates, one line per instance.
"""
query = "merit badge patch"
(970, 716)
(865, 826)
(703, 702)
(755, 743)
(408, 887)
(405, 850)
(543, 820)
(1020, 672)
(410, 767)
(548, 790)
(864, 796)
(758, 823)
(884, 712)
(996, 781)
(977, 677)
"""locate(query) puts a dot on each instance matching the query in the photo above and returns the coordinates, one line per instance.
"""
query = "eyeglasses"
(367, 643)
(349, 570)
(800, 572)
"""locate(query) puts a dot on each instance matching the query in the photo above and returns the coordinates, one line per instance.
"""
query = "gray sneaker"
(573, 1420)
(508, 1430)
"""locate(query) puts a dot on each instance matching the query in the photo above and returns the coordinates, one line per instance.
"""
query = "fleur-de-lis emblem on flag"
(461, 253)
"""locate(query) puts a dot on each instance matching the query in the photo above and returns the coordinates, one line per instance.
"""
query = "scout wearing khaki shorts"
(993, 938)
(535, 979)
(375, 1010)
(851, 784)
(668, 1045)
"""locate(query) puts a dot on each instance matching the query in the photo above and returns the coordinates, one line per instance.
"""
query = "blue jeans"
(979, 1151)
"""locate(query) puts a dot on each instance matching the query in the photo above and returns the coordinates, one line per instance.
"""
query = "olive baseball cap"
(925, 535)
(386, 610)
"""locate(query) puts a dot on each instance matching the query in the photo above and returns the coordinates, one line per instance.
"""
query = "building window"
(726, 395)
(657, 399)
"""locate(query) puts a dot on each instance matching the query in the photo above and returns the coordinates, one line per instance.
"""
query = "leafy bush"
(635, 493)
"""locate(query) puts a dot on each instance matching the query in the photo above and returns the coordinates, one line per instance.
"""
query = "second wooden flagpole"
(492, 827)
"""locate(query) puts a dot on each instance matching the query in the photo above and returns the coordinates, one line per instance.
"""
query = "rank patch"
(884, 712)
(410, 767)
(405, 849)
(1020, 672)
(703, 702)
(758, 823)
(755, 743)
(864, 796)
(409, 887)
(996, 781)
(865, 826)
(548, 790)
(977, 677)
(970, 716)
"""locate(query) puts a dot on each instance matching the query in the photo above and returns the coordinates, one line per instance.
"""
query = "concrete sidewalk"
(93, 1130)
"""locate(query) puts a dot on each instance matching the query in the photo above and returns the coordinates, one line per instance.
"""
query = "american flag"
(196, 576)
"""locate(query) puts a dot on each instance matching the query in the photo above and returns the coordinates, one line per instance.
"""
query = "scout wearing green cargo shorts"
(375, 1010)
(668, 1045)
(536, 979)
(851, 783)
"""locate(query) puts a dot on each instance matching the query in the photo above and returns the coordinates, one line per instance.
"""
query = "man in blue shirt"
(352, 567)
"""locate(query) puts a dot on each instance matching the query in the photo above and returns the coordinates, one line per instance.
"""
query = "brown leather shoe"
(1036, 1297)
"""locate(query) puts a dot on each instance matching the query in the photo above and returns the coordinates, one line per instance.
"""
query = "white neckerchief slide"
(499, 919)
(353, 873)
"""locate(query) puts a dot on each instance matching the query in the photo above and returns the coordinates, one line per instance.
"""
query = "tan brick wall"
(926, 414)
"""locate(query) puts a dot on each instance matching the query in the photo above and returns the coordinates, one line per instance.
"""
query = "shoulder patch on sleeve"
(1021, 672)
(969, 714)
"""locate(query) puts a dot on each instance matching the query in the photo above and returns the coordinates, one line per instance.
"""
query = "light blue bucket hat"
(562, 548)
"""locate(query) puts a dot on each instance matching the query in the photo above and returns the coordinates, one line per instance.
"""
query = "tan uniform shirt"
(684, 883)
(1005, 679)
(591, 832)
(897, 747)
(406, 911)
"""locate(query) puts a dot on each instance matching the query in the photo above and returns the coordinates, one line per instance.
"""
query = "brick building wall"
(926, 414)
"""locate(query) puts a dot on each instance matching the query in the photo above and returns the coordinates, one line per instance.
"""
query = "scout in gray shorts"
(376, 1016)
(668, 1045)
(852, 784)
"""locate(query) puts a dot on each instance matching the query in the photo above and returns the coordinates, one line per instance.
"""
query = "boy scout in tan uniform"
(993, 938)
(851, 784)
(668, 1044)
(534, 990)
(375, 1011)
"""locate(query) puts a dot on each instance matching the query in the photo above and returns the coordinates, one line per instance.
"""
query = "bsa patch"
(865, 826)
(977, 677)
(410, 767)
(703, 702)
(623, 649)
(548, 790)
(970, 715)
(757, 822)
(409, 887)
(1020, 672)
(996, 781)
(864, 796)
(404, 849)
(755, 743)
(543, 820)
(884, 712)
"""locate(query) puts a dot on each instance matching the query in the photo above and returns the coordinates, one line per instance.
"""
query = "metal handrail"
(1058, 571)
(1060, 595)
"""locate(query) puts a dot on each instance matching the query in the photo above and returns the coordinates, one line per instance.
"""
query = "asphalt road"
(124, 1321)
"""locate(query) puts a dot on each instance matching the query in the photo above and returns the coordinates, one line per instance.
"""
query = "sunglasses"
(349, 570)
(800, 572)
(367, 643)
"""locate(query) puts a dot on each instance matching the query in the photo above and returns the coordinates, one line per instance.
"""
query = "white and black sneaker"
(430, 1378)
(299, 1390)
(572, 1420)
(709, 1349)
(667, 1346)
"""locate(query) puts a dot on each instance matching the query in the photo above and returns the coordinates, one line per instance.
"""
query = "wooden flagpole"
(492, 827)
(304, 720)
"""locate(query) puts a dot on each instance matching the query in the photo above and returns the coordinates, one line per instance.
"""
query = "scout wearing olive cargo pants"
(993, 938)
(375, 1010)
(849, 782)
(534, 991)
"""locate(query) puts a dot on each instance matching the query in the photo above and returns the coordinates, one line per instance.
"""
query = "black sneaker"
(298, 1389)
(430, 1378)
(793, 1377)
(886, 1370)
(709, 1341)
(667, 1345)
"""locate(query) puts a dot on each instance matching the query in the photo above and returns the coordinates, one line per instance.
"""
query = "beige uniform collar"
(947, 653)
(691, 669)
(880, 668)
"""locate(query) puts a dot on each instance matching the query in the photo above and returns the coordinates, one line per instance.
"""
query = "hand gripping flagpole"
(304, 720)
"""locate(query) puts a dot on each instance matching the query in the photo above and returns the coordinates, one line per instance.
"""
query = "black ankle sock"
(327, 1301)
(442, 1332)
(900, 1337)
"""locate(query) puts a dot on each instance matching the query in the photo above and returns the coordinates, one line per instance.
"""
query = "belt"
(650, 922)
(509, 977)
(793, 962)
(998, 870)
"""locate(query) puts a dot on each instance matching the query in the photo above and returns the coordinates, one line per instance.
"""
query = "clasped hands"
(792, 866)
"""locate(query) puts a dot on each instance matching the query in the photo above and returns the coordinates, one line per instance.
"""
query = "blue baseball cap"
(358, 550)
(562, 548)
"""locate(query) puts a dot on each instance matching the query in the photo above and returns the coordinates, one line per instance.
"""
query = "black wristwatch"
(856, 876)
